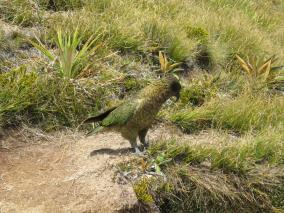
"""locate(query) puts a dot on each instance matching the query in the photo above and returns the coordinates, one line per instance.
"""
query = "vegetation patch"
(224, 175)
(88, 55)
(242, 114)
(21, 12)
(60, 5)
(49, 101)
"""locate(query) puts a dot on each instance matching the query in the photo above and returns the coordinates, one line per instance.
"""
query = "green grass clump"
(21, 12)
(142, 190)
(199, 90)
(195, 189)
(239, 155)
(241, 114)
(16, 94)
(52, 102)
(47, 101)
(229, 174)
(197, 33)
(72, 56)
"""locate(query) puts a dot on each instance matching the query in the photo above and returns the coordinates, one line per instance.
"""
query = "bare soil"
(59, 175)
(67, 172)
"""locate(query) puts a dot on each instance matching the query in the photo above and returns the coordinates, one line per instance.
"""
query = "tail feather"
(99, 117)
(95, 131)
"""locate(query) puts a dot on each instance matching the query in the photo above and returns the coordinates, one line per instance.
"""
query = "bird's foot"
(138, 152)
(145, 145)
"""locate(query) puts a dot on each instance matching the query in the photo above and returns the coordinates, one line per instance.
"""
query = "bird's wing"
(121, 114)
(100, 116)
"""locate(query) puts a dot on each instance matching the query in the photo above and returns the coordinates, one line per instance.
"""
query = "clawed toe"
(145, 145)
(137, 151)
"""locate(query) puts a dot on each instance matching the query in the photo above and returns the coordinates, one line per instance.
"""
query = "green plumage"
(120, 115)
(134, 116)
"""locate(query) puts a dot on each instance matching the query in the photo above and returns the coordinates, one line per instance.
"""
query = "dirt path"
(59, 175)
(64, 172)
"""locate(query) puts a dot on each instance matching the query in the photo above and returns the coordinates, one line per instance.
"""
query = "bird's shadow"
(120, 151)
(109, 151)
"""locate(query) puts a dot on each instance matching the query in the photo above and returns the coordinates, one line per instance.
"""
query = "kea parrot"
(134, 116)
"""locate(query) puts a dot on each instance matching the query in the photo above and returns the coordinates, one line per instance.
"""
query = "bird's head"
(162, 89)
(174, 86)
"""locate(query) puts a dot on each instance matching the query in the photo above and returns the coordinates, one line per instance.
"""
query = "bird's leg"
(142, 137)
(134, 146)
(137, 151)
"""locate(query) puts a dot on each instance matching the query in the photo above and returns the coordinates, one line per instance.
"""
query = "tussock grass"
(241, 114)
(195, 189)
(179, 27)
(200, 89)
(21, 12)
(237, 155)
(230, 174)
(53, 102)
(50, 102)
